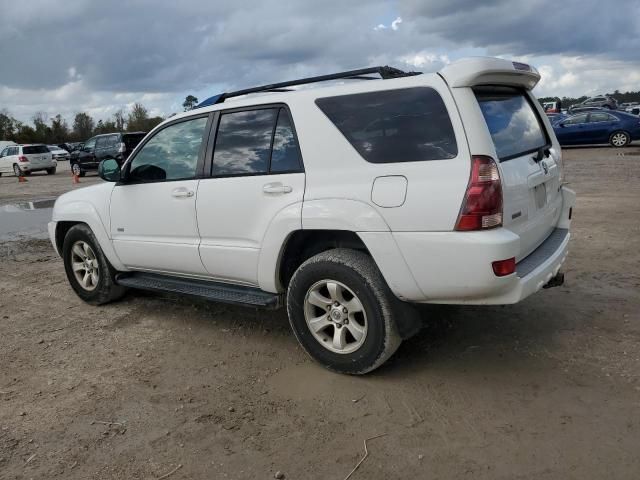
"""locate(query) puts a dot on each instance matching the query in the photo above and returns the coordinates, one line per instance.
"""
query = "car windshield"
(513, 123)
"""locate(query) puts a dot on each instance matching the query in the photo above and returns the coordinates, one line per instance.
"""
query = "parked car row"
(26, 159)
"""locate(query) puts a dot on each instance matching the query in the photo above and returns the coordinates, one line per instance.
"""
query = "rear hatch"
(530, 168)
(38, 155)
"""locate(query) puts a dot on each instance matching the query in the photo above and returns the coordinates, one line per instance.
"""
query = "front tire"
(619, 139)
(342, 311)
(89, 272)
(76, 170)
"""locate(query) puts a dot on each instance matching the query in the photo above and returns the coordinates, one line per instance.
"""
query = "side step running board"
(214, 291)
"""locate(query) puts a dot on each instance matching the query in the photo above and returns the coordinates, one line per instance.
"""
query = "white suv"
(348, 203)
(25, 159)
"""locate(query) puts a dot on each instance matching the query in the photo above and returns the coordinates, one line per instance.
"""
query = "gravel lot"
(547, 389)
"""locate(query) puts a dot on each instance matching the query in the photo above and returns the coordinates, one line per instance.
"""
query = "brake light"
(482, 205)
(122, 147)
(503, 268)
(22, 158)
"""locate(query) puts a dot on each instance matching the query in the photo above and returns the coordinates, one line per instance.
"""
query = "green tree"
(8, 125)
(189, 103)
(118, 120)
(59, 129)
(42, 130)
(138, 118)
(82, 126)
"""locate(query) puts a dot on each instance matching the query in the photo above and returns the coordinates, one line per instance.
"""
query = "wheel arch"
(69, 214)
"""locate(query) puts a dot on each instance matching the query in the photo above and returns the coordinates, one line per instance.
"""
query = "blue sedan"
(596, 127)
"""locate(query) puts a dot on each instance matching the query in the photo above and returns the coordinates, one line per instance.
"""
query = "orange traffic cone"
(21, 179)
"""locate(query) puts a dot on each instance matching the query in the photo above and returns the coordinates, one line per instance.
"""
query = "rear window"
(35, 149)
(513, 123)
(407, 125)
(131, 141)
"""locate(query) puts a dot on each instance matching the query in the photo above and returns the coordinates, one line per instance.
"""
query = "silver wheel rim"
(335, 316)
(619, 139)
(16, 170)
(76, 169)
(85, 265)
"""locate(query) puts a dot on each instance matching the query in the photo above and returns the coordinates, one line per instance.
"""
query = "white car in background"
(345, 203)
(26, 159)
(58, 153)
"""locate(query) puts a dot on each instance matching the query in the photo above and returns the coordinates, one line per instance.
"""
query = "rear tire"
(619, 139)
(16, 170)
(89, 272)
(342, 311)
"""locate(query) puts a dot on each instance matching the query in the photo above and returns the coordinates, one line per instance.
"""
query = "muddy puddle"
(25, 219)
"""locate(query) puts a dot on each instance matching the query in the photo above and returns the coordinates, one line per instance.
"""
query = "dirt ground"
(547, 389)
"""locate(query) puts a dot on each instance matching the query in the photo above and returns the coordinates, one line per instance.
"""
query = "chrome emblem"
(545, 167)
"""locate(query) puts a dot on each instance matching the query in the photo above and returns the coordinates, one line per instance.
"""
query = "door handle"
(182, 193)
(276, 188)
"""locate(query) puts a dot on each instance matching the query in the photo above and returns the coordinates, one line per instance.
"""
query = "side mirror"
(109, 170)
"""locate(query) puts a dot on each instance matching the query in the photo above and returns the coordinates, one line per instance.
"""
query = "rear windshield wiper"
(543, 152)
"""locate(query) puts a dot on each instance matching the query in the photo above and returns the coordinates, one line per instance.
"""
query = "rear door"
(529, 165)
(599, 125)
(256, 174)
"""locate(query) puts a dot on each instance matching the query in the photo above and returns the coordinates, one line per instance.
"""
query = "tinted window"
(512, 121)
(406, 125)
(13, 151)
(112, 141)
(4, 152)
(243, 142)
(35, 149)
(285, 156)
(600, 117)
(101, 142)
(89, 145)
(131, 140)
(582, 118)
(171, 154)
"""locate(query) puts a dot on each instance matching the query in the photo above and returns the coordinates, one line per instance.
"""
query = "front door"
(153, 215)
(571, 131)
(257, 175)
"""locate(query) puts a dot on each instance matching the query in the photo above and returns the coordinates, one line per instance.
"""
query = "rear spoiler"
(474, 71)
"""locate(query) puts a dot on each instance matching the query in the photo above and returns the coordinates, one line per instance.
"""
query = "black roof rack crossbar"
(385, 73)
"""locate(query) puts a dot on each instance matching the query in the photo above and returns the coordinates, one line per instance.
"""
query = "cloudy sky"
(66, 56)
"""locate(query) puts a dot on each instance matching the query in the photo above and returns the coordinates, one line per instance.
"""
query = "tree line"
(57, 130)
(620, 97)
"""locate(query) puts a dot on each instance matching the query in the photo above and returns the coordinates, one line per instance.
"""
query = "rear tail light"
(504, 267)
(22, 158)
(122, 147)
(482, 205)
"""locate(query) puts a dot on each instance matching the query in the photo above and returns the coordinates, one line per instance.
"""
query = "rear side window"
(513, 123)
(35, 149)
(285, 156)
(407, 125)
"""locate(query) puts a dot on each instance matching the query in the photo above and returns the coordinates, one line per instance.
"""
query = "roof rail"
(385, 73)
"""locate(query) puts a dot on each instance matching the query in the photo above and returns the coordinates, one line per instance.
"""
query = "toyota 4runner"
(347, 203)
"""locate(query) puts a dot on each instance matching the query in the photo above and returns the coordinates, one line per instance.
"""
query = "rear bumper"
(455, 267)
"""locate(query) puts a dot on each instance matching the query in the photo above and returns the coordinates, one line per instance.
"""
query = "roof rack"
(385, 73)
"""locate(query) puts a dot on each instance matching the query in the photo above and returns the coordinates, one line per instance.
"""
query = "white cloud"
(396, 23)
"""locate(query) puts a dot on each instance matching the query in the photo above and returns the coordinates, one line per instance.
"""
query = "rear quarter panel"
(336, 171)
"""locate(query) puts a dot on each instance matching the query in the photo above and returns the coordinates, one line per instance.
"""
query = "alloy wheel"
(335, 316)
(619, 139)
(85, 265)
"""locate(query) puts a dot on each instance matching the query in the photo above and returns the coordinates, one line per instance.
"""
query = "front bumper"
(51, 227)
